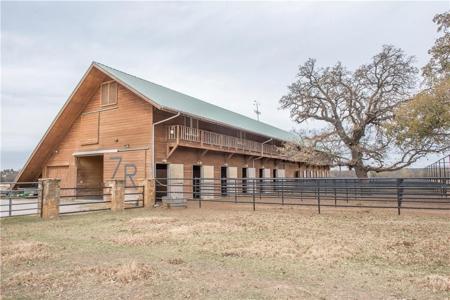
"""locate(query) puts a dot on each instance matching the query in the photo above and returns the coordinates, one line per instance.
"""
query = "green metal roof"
(172, 100)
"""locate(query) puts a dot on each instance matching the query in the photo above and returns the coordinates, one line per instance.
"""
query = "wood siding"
(121, 135)
(125, 126)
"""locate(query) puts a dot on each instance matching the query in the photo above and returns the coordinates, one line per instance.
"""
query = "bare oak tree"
(355, 109)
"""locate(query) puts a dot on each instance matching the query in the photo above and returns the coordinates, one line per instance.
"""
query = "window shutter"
(109, 93)
(113, 93)
(104, 94)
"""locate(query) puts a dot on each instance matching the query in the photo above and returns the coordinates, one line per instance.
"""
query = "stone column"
(50, 198)
(117, 195)
(149, 193)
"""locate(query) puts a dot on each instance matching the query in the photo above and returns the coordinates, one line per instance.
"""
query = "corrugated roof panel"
(173, 100)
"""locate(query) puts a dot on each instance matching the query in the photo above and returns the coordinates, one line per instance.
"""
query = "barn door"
(231, 183)
(265, 183)
(280, 173)
(279, 184)
(90, 128)
(175, 177)
(251, 175)
(207, 182)
(61, 173)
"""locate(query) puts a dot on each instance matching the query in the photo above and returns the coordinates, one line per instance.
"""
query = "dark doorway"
(161, 181)
(90, 176)
(223, 181)
(261, 181)
(274, 179)
(196, 175)
(244, 180)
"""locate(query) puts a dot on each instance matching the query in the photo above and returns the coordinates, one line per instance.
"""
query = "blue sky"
(227, 53)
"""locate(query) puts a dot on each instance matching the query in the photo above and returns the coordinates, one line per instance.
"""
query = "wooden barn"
(118, 126)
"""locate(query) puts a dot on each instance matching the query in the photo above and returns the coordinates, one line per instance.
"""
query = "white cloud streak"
(227, 53)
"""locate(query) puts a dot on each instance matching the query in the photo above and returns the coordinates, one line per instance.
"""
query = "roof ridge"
(197, 99)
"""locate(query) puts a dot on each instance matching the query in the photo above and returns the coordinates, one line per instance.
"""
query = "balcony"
(179, 135)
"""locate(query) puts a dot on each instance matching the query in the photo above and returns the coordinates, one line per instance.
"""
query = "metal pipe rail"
(84, 199)
(440, 169)
(134, 197)
(394, 193)
(19, 199)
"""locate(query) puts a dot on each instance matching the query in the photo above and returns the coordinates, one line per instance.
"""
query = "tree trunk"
(357, 162)
(361, 172)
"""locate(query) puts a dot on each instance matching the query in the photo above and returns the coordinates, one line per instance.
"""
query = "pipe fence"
(440, 170)
(382, 193)
(134, 197)
(79, 199)
(19, 199)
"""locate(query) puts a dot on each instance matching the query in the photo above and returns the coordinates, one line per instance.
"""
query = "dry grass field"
(220, 252)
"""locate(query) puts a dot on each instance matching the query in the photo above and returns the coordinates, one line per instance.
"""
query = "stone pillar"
(117, 195)
(50, 198)
(149, 193)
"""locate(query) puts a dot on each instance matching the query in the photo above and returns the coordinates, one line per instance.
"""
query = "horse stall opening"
(196, 175)
(161, 184)
(90, 175)
(223, 181)
(244, 180)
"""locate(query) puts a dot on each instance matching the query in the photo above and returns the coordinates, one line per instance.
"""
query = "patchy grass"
(223, 252)
(18, 252)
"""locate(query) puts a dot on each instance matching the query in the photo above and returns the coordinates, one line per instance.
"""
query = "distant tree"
(438, 68)
(8, 175)
(426, 118)
(355, 109)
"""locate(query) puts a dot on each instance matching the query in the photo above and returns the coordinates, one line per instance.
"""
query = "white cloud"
(227, 53)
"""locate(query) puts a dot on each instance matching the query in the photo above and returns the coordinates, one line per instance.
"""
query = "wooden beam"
(204, 153)
(172, 151)
(249, 158)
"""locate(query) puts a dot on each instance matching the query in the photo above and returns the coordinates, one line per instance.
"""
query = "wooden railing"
(216, 140)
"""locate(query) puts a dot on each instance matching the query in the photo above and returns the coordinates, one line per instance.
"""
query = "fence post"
(10, 207)
(260, 188)
(198, 184)
(318, 194)
(346, 188)
(399, 194)
(149, 192)
(235, 190)
(117, 195)
(254, 188)
(282, 191)
(301, 186)
(50, 198)
(335, 196)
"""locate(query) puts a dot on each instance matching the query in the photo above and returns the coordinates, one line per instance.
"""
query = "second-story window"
(109, 93)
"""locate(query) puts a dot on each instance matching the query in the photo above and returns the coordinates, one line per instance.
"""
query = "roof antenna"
(257, 111)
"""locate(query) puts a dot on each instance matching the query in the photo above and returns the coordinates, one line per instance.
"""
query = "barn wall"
(190, 157)
(125, 126)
